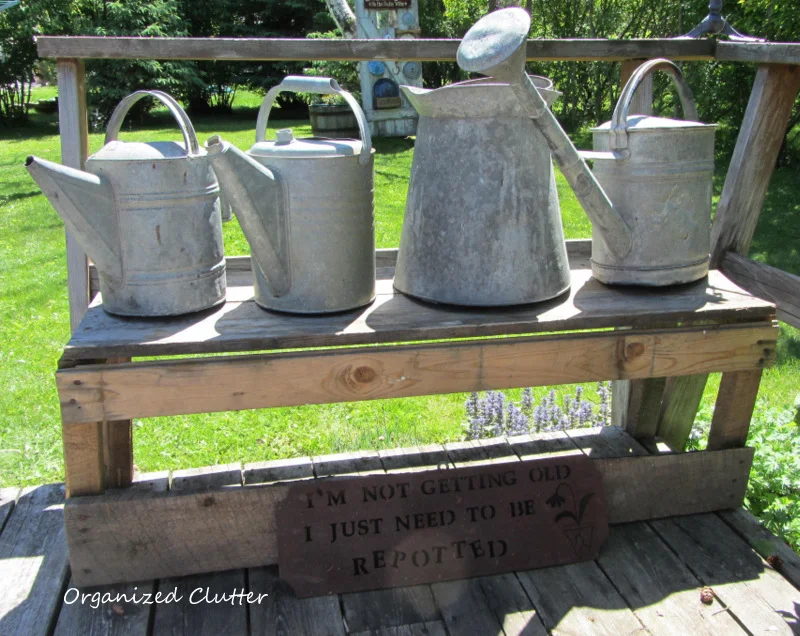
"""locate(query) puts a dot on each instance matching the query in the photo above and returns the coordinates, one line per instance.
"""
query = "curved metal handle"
(619, 121)
(322, 86)
(189, 135)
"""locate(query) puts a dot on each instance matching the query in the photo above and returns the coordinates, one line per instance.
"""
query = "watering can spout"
(85, 203)
(496, 46)
(258, 198)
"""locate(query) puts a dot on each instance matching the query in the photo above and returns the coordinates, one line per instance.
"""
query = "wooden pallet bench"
(396, 347)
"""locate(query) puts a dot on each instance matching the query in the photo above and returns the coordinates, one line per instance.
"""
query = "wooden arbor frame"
(648, 403)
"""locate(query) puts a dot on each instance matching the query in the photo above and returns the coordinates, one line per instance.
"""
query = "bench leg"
(84, 467)
(734, 409)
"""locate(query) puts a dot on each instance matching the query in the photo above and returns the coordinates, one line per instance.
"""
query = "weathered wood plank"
(764, 542)
(351, 50)
(33, 554)
(668, 485)
(511, 606)
(657, 585)
(202, 608)
(240, 325)
(118, 453)
(753, 161)
(636, 405)
(84, 468)
(120, 535)
(681, 400)
(74, 128)
(282, 613)
(278, 470)
(733, 409)
(433, 628)
(757, 596)
(578, 599)
(119, 616)
(8, 499)
(759, 52)
(147, 389)
(769, 283)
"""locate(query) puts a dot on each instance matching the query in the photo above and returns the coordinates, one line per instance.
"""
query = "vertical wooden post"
(743, 194)
(84, 468)
(74, 128)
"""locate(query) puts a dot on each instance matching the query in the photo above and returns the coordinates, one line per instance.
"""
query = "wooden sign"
(387, 4)
(380, 531)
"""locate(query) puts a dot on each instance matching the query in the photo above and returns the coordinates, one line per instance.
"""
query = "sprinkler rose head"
(495, 45)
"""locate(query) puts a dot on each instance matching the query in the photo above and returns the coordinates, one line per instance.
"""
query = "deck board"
(240, 325)
(33, 562)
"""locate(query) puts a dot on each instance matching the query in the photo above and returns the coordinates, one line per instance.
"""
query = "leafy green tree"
(18, 61)
(108, 81)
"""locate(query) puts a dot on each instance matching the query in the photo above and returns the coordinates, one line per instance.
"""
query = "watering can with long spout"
(498, 181)
(147, 214)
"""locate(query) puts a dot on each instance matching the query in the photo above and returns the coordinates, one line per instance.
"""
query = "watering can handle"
(189, 135)
(619, 121)
(322, 86)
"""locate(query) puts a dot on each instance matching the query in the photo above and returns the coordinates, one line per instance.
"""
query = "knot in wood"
(633, 350)
(364, 374)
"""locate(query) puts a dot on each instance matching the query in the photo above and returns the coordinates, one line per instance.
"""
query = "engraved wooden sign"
(380, 531)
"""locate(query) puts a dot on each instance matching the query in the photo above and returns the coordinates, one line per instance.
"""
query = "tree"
(18, 26)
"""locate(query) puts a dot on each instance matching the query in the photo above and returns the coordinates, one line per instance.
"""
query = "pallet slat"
(119, 535)
(422, 50)
(240, 325)
(113, 392)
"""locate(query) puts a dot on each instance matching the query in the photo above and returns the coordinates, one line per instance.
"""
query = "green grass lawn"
(34, 323)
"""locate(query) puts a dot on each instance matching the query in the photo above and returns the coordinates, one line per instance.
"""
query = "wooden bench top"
(240, 325)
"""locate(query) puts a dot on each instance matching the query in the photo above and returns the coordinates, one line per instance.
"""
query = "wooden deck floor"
(647, 579)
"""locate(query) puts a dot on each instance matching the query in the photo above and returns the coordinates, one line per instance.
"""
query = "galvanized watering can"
(306, 208)
(658, 172)
(482, 223)
(148, 215)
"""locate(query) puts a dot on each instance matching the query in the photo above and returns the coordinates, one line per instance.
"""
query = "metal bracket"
(715, 24)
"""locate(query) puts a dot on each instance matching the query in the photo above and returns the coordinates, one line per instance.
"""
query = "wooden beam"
(678, 409)
(147, 389)
(734, 409)
(759, 52)
(84, 467)
(769, 283)
(74, 128)
(120, 536)
(94, 47)
(636, 405)
(753, 161)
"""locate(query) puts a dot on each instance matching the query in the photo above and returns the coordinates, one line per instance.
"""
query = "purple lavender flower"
(517, 422)
(585, 413)
(527, 400)
(472, 404)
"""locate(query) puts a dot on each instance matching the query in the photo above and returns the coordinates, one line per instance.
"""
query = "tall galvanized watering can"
(482, 224)
(658, 172)
(306, 208)
(148, 215)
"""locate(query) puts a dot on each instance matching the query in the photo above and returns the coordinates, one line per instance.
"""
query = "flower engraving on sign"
(360, 533)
